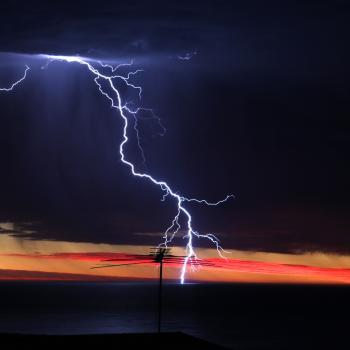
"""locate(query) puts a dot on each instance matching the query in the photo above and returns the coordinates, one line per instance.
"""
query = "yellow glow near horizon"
(18, 253)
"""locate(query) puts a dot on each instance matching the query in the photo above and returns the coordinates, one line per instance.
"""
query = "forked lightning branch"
(107, 78)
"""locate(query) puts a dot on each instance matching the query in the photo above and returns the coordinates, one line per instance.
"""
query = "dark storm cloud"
(121, 28)
(282, 230)
(260, 111)
(281, 39)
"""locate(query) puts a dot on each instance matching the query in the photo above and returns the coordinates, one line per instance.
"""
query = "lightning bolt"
(126, 110)
(13, 85)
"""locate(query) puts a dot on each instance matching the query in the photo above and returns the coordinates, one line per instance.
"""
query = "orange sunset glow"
(30, 259)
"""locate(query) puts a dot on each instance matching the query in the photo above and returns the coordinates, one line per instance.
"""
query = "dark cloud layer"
(261, 111)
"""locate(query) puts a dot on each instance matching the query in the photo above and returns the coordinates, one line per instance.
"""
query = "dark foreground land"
(124, 316)
(166, 340)
(176, 340)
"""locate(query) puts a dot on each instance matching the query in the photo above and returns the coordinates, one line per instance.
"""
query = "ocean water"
(235, 315)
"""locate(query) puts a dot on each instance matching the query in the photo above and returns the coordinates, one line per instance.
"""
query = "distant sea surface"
(235, 315)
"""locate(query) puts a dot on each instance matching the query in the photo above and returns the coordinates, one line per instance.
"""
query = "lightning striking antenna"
(126, 111)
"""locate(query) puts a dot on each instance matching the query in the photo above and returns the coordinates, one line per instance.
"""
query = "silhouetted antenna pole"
(157, 255)
(160, 299)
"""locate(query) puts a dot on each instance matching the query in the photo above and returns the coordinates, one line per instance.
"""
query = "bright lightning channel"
(125, 109)
(13, 85)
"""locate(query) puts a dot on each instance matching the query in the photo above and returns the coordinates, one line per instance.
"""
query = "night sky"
(260, 111)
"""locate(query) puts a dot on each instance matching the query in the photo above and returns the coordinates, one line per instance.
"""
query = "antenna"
(159, 255)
